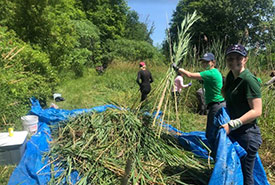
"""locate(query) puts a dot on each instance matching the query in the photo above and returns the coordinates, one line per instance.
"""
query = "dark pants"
(250, 139)
(202, 110)
(210, 128)
(145, 90)
(177, 96)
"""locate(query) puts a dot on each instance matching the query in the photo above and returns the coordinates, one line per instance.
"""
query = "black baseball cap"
(208, 57)
(237, 48)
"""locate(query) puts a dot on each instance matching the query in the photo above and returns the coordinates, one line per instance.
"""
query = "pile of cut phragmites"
(120, 147)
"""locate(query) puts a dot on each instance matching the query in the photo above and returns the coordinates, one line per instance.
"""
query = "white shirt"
(271, 81)
(178, 84)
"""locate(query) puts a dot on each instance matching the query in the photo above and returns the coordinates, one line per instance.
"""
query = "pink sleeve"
(181, 82)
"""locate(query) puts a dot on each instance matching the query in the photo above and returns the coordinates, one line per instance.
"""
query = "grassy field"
(117, 86)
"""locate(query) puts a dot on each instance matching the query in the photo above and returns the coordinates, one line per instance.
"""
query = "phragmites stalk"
(177, 52)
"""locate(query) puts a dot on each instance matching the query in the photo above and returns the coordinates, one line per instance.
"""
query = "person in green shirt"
(242, 93)
(212, 83)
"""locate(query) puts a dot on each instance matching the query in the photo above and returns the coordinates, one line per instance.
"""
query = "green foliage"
(217, 48)
(79, 58)
(73, 33)
(7, 12)
(108, 16)
(89, 38)
(131, 50)
(136, 30)
(47, 25)
(265, 58)
(24, 73)
(5, 172)
(248, 22)
(266, 123)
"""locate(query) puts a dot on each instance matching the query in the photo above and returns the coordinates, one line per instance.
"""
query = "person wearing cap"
(244, 104)
(212, 84)
(144, 80)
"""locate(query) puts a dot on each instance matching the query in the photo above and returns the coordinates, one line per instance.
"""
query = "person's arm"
(190, 74)
(271, 81)
(138, 78)
(182, 84)
(151, 78)
(254, 112)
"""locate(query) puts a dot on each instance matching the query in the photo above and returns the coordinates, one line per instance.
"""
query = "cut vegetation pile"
(120, 147)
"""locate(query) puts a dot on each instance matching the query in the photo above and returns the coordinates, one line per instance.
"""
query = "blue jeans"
(250, 139)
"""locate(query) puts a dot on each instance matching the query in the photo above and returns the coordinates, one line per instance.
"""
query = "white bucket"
(30, 123)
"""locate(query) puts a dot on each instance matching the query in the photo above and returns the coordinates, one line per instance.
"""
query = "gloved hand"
(190, 84)
(234, 124)
(175, 67)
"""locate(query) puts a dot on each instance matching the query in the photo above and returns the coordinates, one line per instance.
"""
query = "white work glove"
(234, 124)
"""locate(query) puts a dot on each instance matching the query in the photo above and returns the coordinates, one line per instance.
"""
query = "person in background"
(242, 93)
(202, 108)
(178, 86)
(212, 83)
(272, 80)
(144, 80)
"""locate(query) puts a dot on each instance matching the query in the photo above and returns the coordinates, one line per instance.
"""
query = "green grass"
(5, 173)
(118, 85)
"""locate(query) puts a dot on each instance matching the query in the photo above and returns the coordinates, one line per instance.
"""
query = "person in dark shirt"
(144, 79)
(242, 93)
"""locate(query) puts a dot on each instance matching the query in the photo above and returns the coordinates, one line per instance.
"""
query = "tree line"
(41, 41)
(249, 22)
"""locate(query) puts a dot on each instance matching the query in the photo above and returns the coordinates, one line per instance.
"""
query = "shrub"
(24, 72)
(132, 50)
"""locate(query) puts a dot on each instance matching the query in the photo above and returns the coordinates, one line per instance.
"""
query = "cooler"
(12, 148)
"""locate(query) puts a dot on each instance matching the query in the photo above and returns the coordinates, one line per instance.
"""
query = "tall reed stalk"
(177, 52)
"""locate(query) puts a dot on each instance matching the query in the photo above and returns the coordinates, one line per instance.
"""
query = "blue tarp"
(33, 169)
(227, 169)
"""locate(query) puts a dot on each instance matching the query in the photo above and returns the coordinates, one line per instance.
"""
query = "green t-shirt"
(238, 90)
(212, 82)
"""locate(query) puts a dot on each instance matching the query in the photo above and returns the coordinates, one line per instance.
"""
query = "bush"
(89, 39)
(131, 50)
(24, 72)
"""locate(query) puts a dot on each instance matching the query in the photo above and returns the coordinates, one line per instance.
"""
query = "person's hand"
(232, 125)
(226, 128)
(190, 84)
(175, 67)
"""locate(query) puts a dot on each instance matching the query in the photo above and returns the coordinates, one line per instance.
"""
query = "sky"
(158, 12)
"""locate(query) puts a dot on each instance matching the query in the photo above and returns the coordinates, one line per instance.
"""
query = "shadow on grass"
(189, 175)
